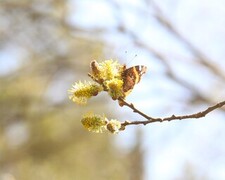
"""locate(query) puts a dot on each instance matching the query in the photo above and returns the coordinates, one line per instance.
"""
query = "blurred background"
(47, 45)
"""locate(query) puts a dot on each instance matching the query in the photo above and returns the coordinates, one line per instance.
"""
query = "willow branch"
(170, 118)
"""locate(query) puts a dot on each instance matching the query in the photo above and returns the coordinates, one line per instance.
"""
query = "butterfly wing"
(132, 76)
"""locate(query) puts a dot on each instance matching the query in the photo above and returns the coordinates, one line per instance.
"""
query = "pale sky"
(169, 147)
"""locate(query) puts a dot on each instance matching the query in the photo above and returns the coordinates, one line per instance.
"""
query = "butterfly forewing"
(132, 76)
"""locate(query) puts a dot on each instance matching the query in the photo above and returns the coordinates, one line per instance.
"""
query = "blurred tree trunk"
(136, 157)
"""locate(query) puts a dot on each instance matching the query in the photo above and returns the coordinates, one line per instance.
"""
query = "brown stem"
(170, 118)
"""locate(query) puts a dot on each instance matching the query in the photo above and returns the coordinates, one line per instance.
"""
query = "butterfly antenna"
(132, 59)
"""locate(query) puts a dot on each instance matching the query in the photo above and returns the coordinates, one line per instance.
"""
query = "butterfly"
(131, 77)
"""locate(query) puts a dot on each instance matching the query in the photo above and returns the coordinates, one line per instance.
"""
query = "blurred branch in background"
(201, 58)
(42, 51)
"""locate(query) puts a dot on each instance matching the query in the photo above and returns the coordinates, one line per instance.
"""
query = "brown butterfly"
(132, 76)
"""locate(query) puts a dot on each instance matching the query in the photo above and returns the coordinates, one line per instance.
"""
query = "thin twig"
(170, 118)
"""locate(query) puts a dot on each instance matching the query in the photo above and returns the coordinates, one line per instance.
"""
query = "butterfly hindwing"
(132, 76)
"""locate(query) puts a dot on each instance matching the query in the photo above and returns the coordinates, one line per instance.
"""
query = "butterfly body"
(131, 77)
